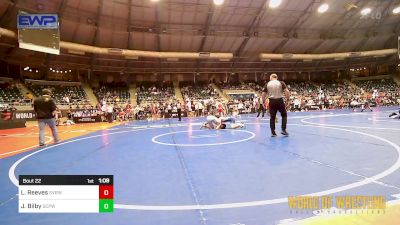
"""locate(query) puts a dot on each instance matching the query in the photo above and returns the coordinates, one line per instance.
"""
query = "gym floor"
(170, 172)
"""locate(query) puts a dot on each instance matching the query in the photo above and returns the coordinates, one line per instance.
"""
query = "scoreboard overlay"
(66, 194)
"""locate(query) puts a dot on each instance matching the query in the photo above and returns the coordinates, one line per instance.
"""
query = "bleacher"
(73, 90)
(386, 89)
(198, 91)
(234, 86)
(338, 94)
(337, 88)
(256, 86)
(9, 93)
(302, 89)
(114, 93)
(387, 85)
(148, 93)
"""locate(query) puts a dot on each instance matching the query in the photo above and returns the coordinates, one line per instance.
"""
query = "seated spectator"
(29, 96)
(62, 93)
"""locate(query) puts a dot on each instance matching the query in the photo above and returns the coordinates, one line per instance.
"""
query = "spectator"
(29, 96)
(46, 113)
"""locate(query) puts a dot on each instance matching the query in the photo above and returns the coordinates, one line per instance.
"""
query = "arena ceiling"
(242, 27)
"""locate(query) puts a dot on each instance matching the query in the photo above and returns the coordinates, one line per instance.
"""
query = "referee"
(179, 110)
(276, 90)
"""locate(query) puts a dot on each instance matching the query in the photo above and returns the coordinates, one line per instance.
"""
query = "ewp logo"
(37, 21)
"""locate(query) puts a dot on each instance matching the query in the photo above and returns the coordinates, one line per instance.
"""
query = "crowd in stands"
(234, 86)
(379, 85)
(116, 92)
(387, 92)
(160, 101)
(106, 111)
(114, 101)
(148, 93)
(156, 100)
(9, 93)
(339, 95)
(257, 87)
(156, 110)
(115, 111)
(302, 89)
(330, 95)
(62, 94)
(309, 96)
(198, 91)
(242, 106)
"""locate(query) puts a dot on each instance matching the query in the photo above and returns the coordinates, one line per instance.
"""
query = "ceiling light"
(70, 71)
(30, 70)
(274, 3)
(37, 71)
(323, 8)
(155, 0)
(26, 68)
(350, 6)
(218, 2)
(366, 11)
(396, 10)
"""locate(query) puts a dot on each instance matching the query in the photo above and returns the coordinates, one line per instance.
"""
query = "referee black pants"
(276, 105)
(179, 114)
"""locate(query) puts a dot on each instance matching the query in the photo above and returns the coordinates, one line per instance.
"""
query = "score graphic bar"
(66, 193)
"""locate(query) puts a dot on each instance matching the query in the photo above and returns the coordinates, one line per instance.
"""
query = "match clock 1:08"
(104, 180)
